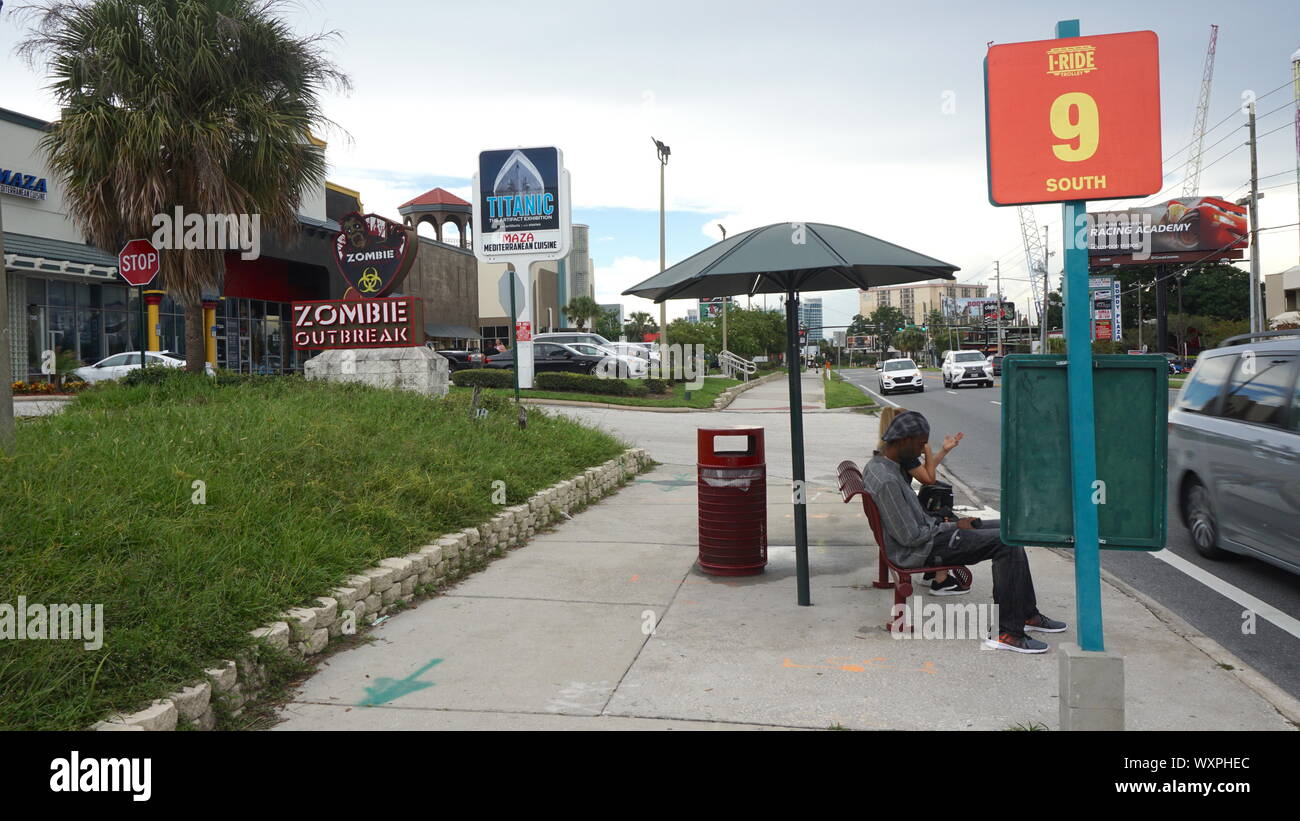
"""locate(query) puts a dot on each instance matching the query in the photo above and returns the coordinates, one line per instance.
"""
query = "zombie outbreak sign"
(373, 254)
(392, 322)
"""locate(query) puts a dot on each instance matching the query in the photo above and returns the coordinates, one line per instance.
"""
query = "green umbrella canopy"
(773, 259)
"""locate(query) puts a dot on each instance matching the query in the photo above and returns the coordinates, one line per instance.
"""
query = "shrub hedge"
(484, 378)
(581, 383)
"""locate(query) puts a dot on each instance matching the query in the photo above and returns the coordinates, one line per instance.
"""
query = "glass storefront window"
(60, 294)
(91, 350)
(114, 297)
(117, 333)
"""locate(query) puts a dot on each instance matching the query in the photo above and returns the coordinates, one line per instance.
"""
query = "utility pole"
(997, 271)
(1046, 261)
(1256, 309)
(6, 392)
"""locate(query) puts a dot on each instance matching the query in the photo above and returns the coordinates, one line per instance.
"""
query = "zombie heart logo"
(373, 254)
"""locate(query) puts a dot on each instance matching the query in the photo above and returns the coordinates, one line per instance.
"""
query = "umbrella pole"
(796, 446)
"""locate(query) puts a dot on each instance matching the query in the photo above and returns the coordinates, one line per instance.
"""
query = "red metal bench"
(850, 486)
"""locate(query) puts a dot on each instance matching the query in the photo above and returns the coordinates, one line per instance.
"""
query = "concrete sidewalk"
(557, 635)
(774, 396)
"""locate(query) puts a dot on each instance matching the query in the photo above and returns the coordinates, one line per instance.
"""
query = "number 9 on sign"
(1074, 117)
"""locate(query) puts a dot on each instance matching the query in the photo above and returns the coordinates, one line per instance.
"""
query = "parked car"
(566, 337)
(614, 365)
(551, 357)
(900, 375)
(120, 364)
(460, 360)
(1234, 449)
(966, 367)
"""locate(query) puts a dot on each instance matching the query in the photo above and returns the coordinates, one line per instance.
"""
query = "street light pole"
(663, 152)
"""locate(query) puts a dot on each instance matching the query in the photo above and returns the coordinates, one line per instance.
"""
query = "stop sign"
(138, 262)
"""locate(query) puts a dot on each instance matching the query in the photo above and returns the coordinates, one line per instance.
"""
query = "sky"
(864, 114)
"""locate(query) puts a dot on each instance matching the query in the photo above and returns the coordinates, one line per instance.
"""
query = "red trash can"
(732, 484)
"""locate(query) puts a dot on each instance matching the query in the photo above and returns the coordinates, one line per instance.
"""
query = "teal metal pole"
(1083, 431)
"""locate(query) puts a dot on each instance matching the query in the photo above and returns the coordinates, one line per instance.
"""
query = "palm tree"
(204, 106)
(641, 322)
(582, 308)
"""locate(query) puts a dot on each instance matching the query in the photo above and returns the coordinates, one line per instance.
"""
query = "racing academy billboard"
(1177, 230)
(521, 204)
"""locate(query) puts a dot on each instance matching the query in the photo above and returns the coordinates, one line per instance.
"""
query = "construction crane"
(1036, 258)
(1192, 182)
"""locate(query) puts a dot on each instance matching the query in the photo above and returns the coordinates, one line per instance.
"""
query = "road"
(1215, 597)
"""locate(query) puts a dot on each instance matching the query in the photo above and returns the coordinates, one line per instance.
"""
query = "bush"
(656, 386)
(581, 383)
(484, 378)
(148, 375)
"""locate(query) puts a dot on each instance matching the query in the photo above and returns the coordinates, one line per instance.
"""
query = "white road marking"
(954, 393)
(1261, 608)
(995, 402)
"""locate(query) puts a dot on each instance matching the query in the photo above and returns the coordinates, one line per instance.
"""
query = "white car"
(614, 365)
(965, 368)
(119, 364)
(900, 375)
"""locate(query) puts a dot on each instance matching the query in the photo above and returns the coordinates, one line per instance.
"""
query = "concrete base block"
(417, 369)
(1092, 689)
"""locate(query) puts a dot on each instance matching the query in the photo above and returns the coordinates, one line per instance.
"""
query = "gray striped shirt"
(909, 531)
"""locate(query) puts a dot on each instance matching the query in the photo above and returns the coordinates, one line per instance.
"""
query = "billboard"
(984, 309)
(712, 306)
(521, 204)
(1181, 226)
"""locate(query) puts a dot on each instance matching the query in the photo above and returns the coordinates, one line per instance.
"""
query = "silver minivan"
(1234, 449)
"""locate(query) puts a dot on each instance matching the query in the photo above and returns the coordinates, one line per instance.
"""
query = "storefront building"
(66, 296)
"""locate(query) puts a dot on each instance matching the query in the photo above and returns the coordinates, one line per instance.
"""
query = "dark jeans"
(1013, 585)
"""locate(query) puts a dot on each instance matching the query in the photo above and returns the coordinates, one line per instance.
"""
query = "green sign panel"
(1131, 406)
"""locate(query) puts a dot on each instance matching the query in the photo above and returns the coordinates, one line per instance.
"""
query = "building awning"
(450, 331)
(53, 256)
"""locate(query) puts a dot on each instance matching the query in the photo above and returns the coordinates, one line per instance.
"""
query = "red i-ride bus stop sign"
(138, 262)
(1075, 118)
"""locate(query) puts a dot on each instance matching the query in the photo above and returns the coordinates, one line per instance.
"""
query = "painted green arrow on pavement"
(385, 690)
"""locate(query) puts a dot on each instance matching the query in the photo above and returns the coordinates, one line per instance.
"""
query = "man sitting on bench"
(914, 539)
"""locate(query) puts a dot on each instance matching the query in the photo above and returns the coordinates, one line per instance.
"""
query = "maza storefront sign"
(521, 216)
(19, 184)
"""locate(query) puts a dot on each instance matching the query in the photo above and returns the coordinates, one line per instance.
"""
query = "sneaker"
(949, 587)
(927, 578)
(1017, 644)
(1042, 624)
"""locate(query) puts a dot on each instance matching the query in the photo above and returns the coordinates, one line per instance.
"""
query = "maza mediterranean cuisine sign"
(393, 322)
(521, 204)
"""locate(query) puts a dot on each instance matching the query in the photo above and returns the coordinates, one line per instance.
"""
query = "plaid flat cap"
(906, 425)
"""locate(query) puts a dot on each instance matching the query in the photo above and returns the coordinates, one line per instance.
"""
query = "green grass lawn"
(306, 483)
(842, 394)
(676, 398)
